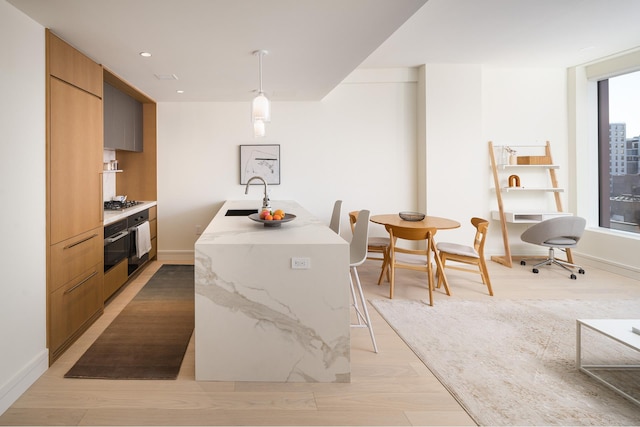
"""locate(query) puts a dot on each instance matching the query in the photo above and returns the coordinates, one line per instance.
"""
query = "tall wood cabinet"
(76, 286)
(74, 194)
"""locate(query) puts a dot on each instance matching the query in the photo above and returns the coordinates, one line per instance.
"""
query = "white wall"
(358, 145)
(468, 105)
(525, 106)
(456, 160)
(361, 144)
(22, 254)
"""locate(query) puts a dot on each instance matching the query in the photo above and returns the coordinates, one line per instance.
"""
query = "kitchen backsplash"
(108, 178)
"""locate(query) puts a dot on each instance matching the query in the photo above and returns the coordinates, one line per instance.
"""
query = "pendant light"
(258, 128)
(260, 107)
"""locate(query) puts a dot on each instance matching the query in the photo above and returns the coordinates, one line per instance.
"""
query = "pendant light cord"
(260, 62)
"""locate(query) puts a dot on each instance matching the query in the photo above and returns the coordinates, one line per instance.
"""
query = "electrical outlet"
(198, 230)
(298, 263)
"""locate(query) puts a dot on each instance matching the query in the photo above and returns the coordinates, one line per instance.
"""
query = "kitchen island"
(257, 318)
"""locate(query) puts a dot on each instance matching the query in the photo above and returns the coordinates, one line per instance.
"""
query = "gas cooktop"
(114, 205)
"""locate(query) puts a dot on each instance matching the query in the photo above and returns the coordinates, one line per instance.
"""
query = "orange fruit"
(279, 212)
(277, 217)
(269, 217)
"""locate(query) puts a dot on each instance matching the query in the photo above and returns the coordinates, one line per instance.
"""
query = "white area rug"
(513, 362)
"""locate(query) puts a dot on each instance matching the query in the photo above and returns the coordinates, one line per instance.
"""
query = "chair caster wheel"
(573, 276)
(523, 263)
(581, 271)
(535, 270)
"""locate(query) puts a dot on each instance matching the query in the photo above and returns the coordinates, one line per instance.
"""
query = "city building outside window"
(619, 156)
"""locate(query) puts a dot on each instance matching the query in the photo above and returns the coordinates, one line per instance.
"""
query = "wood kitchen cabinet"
(69, 65)
(70, 258)
(122, 120)
(76, 283)
(75, 160)
(75, 263)
(73, 307)
(153, 231)
(115, 278)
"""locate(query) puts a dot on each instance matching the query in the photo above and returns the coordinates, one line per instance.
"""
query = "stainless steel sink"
(240, 212)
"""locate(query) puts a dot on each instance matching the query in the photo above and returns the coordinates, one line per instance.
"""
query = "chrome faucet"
(266, 203)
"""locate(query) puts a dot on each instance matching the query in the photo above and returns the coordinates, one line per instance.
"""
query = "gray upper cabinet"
(122, 120)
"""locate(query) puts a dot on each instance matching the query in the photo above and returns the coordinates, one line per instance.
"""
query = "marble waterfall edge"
(257, 319)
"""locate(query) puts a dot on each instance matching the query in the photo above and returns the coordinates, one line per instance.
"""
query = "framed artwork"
(261, 160)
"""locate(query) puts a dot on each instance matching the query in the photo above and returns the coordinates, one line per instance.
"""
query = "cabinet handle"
(79, 242)
(68, 291)
(101, 192)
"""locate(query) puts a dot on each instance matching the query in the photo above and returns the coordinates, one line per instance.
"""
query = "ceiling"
(314, 44)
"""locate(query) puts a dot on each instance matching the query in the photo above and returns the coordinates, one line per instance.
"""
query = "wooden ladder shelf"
(506, 259)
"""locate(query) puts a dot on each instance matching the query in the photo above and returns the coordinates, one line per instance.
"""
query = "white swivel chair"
(335, 216)
(561, 232)
(358, 254)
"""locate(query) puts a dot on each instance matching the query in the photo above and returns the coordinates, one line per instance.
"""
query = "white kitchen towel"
(143, 239)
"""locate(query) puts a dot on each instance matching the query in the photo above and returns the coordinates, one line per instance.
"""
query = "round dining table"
(430, 224)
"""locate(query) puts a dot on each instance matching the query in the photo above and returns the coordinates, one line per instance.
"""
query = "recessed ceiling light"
(166, 76)
(145, 54)
(179, 91)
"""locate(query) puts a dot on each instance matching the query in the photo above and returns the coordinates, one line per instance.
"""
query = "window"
(618, 137)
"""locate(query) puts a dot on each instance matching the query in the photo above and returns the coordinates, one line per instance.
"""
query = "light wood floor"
(392, 387)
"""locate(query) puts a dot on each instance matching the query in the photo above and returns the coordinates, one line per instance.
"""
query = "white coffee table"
(618, 330)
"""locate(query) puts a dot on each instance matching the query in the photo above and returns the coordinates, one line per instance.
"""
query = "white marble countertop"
(113, 216)
(239, 230)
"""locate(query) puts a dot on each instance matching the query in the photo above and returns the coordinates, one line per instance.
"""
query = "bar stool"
(358, 254)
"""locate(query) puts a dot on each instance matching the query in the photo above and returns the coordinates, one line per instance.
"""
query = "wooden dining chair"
(473, 255)
(377, 247)
(410, 259)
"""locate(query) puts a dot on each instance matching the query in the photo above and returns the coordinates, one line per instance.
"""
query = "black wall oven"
(116, 243)
(134, 221)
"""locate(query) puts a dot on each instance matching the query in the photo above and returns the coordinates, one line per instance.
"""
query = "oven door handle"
(135, 227)
(116, 237)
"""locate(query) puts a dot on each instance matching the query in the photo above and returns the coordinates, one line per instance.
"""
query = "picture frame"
(260, 160)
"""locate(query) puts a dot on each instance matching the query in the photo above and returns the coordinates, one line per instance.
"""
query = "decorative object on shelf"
(509, 156)
(514, 181)
(111, 165)
(534, 160)
(260, 107)
(412, 216)
(261, 160)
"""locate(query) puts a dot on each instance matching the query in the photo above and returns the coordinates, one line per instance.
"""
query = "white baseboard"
(22, 380)
(176, 255)
(586, 260)
(606, 265)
